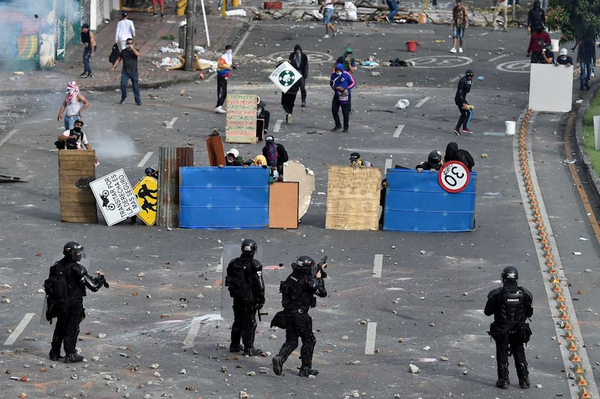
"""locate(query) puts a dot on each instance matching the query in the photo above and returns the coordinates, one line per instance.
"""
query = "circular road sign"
(441, 61)
(454, 177)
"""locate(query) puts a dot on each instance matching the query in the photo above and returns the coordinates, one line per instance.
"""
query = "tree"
(576, 19)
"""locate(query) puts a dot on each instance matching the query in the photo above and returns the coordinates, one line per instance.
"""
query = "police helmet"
(73, 249)
(435, 157)
(469, 73)
(355, 156)
(249, 246)
(510, 273)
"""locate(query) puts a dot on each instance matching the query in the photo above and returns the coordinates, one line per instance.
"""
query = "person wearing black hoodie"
(454, 154)
(536, 17)
(299, 60)
(466, 113)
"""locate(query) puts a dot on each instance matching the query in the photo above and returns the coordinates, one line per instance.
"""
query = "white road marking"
(219, 268)
(456, 79)
(497, 58)
(170, 124)
(484, 33)
(371, 337)
(20, 328)
(398, 131)
(423, 101)
(278, 125)
(8, 136)
(188, 342)
(388, 164)
(145, 159)
(377, 265)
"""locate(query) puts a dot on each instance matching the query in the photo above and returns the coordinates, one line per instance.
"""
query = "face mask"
(77, 129)
(229, 51)
(338, 73)
(298, 52)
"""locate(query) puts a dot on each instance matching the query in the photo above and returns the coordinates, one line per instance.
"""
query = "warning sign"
(115, 197)
(285, 76)
(146, 192)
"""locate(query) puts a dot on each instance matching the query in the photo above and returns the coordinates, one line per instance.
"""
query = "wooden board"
(283, 205)
(214, 147)
(241, 119)
(295, 171)
(75, 171)
(353, 198)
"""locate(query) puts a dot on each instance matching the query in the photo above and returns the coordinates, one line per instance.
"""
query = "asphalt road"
(428, 303)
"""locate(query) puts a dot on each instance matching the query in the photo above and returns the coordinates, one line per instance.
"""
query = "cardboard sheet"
(76, 170)
(241, 119)
(294, 171)
(353, 198)
(283, 205)
(550, 88)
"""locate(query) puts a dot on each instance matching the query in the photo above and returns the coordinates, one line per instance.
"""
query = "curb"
(584, 160)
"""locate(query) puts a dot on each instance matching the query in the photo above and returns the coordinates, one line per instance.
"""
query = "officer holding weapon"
(298, 292)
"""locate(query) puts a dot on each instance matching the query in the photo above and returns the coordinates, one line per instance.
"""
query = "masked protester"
(341, 83)
(233, 158)
(466, 111)
(538, 41)
(247, 288)
(357, 162)
(298, 292)
(224, 67)
(536, 17)
(461, 155)
(263, 117)
(299, 60)
(511, 305)
(73, 106)
(275, 154)
(65, 288)
(564, 58)
(434, 162)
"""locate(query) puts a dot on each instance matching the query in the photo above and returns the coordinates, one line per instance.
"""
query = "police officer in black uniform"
(247, 288)
(298, 292)
(70, 312)
(511, 305)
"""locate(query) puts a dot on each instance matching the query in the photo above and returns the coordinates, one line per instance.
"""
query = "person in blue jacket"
(342, 84)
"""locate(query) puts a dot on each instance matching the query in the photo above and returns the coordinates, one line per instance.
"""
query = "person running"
(466, 111)
(327, 6)
(459, 23)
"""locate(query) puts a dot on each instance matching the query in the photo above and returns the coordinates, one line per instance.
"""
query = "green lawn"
(588, 131)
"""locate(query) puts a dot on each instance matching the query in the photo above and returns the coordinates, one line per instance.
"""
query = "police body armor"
(296, 294)
(513, 308)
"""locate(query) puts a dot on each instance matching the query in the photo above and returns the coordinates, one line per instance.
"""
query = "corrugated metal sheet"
(170, 160)
(100, 14)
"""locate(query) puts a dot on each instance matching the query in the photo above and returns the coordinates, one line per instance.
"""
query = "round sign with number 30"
(454, 176)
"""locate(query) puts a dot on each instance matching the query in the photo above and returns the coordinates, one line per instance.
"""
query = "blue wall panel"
(232, 197)
(415, 202)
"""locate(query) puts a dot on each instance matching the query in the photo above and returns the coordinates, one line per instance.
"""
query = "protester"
(538, 41)
(459, 23)
(299, 60)
(357, 162)
(73, 105)
(130, 71)
(461, 155)
(89, 49)
(288, 100)
(162, 8)
(341, 83)
(224, 68)
(547, 55)
(564, 58)
(233, 158)
(433, 163)
(327, 7)
(466, 113)
(75, 138)
(393, 5)
(275, 154)
(501, 7)
(536, 17)
(347, 60)
(586, 58)
(262, 119)
(125, 30)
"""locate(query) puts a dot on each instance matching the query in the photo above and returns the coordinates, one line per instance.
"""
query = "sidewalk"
(148, 39)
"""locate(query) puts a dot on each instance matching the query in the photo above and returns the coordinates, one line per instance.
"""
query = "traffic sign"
(146, 191)
(115, 197)
(285, 76)
(454, 177)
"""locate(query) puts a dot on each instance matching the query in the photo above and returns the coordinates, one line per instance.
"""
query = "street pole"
(189, 37)
(205, 24)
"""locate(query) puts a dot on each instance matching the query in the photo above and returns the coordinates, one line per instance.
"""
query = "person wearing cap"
(233, 158)
(75, 139)
(341, 83)
(73, 105)
(275, 154)
(460, 99)
(89, 49)
(125, 30)
(459, 22)
(357, 162)
(564, 58)
(539, 40)
(263, 116)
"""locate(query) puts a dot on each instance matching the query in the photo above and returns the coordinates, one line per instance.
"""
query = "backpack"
(239, 278)
(465, 157)
(272, 154)
(68, 144)
(57, 291)
(114, 54)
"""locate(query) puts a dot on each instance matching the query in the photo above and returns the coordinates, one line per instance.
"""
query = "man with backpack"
(74, 139)
(275, 153)
(461, 155)
(65, 289)
(247, 288)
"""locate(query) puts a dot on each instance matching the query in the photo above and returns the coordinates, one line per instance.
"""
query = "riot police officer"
(511, 305)
(247, 288)
(65, 289)
(298, 292)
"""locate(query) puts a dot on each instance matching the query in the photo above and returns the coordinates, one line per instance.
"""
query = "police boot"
(236, 336)
(307, 371)
(503, 381)
(278, 365)
(73, 358)
(523, 375)
(249, 349)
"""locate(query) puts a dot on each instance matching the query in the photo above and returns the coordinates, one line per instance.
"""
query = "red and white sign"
(454, 177)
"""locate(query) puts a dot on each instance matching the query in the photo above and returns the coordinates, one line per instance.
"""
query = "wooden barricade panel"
(294, 171)
(76, 170)
(214, 147)
(283, 205)
(353, 198)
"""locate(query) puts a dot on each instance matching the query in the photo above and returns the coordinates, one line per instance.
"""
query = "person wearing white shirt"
(125, 30)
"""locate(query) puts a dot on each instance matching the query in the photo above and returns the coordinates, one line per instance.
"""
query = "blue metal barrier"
(232, 197)
(415, 202)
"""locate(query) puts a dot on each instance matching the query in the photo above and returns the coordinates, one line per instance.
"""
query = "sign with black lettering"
(454, 177)
(115, 197)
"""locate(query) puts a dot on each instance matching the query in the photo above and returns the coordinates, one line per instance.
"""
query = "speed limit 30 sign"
(454, 177)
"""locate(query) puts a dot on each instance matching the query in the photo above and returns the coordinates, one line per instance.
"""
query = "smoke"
(110, 144)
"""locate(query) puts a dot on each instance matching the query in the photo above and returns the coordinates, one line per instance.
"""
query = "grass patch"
(588, 132)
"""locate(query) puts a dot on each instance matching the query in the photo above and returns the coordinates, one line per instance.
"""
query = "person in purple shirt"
(341, 83)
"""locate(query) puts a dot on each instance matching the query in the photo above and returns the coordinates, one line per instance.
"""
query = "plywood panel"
(294, 171)
(214, 147)
(550, 88)
(283, 205)
(76, 170)
(353, 198)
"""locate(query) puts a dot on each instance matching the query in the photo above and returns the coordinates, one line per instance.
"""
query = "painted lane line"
(235, 51)
(278, 125)
(456, 79)
(188, 342)
(377, 265)
(484, 33)
(170, 124)
(398, 131)
(8, 136)
(499, 57)
(20, 328)
(388, 164)
(423, 101)
(145, 159)
(371, 337)
(219, 268)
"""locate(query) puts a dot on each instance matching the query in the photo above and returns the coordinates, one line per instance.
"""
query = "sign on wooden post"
(241, 118)
(75, 172)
